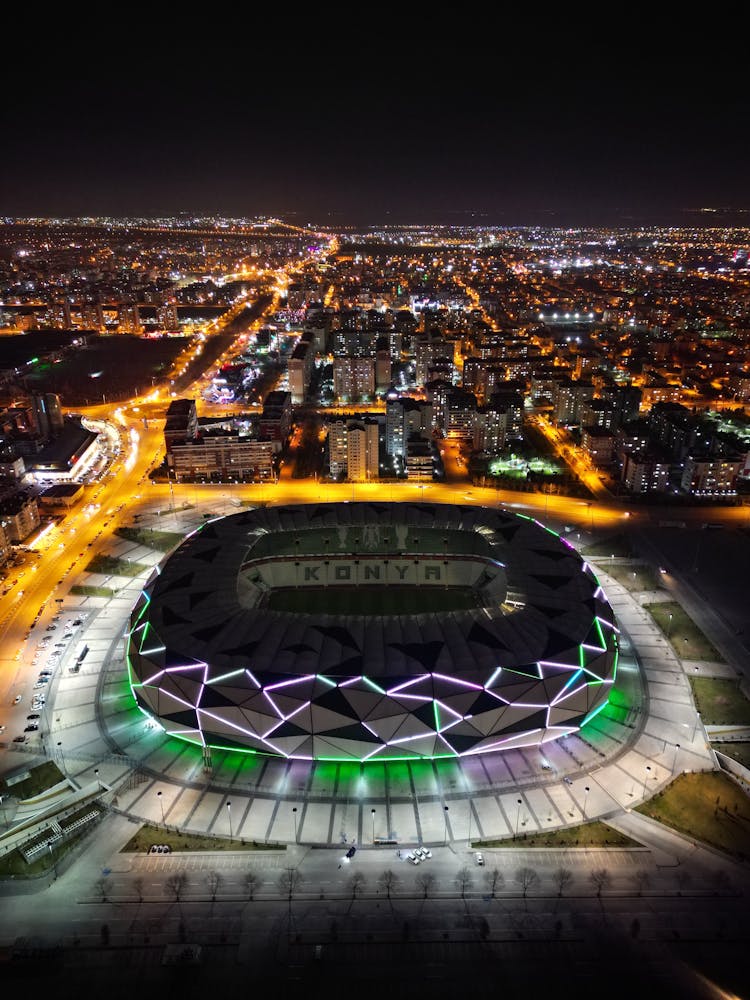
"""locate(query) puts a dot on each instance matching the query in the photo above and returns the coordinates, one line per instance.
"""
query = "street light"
(445, 816)
(695, 725)
(229, 814)
(518, 816)
(669, 626)
(161, 803)
(645, 778)
(294, 817)
(674, 759)
(372, 813)
(52, 859)
(585, 796)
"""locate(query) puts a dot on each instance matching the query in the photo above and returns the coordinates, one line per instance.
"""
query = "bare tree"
(722, 880)
(176, 884)
(562, 878)
(684, 878)
(251, 881)
(356, 882)
(641, 880)
(527, 878)
(290, 881)
(103, 885)
(425, 881)
(389, 880)
(464, 880)
(601, 879)
(213, 881)
(495, 880)
(138, 888)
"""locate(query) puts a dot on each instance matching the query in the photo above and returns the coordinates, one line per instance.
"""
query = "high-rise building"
(48, 415)
(362, 440)
(299, 370)
(353, 377)
(569, 399)
(181, 424)
(404, 417)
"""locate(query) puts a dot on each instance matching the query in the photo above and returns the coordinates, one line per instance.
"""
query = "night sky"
(363, 138)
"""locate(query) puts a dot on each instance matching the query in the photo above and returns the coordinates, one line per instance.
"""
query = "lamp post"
(645, 778)
(445, 817)
(52, 859)
(518, 816)
(372, 813)
(669, 626)
(674, 758)
(229, 815)
(585, 796)
(5, 814)
(161, 803)
(294, 819)
(695, 725)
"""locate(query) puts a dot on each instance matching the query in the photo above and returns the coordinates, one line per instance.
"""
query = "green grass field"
(83, 591)
(617, 545)
(737, 751)
(684, 636)
(162, 541)
(148, 835)
(586, 835)
(634, 576)
(720, 701)
(372, 600)
(14, 865)
(708, 806)
(111, 566)
(41, 777)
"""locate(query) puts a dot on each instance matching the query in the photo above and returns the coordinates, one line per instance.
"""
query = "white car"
(423, 853)
(479, 858)
(412, 858)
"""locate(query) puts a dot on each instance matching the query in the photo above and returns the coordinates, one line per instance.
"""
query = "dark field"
(373, 600)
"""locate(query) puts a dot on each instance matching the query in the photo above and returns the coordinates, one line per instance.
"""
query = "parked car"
(479, 858)
(412, 858)
(31, 728)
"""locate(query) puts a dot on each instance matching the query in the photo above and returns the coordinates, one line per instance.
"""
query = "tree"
(425, 881)
(494, 879)
(684, 878)
(289, 882)
(250, 881)
(641, 880)
(527, 878)
(389, 880)
(103, 885)
(356, 882)
(176, 885)
(464, 880)
(601, 879)
(562, 878)
(213, 880)
(138, 887)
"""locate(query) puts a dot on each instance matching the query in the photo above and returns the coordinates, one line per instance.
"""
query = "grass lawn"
(617, 545)
(684, 636)
(111, 566)
(372, 600)
(148, 835)
(737, 751)
(14, 864)
(41, 777)
(82, 591)
(587, 835)
(636, 576)
(720, 701)
(162, 541)
(708, 806)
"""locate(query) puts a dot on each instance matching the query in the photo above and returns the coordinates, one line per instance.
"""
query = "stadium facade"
(372, 631)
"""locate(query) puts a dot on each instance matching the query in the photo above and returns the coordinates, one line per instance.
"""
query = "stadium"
(372, 631)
